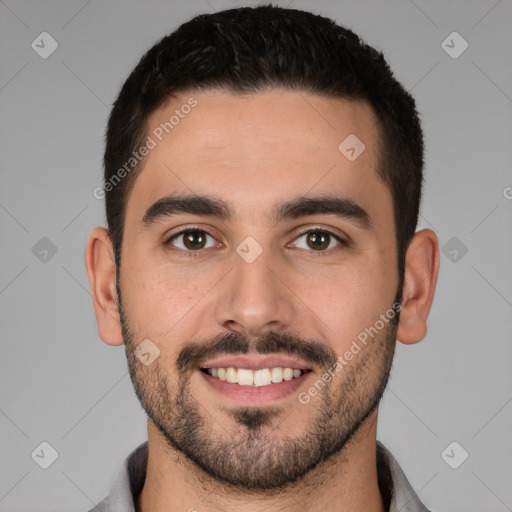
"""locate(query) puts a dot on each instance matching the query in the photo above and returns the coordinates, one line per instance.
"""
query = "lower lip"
(259, 394)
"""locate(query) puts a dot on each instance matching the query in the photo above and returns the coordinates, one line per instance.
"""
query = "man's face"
(262, 287)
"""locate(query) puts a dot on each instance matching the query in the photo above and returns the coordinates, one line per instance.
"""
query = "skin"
(255, 151)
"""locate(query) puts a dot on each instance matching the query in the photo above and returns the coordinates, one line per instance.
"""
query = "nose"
(256, 297)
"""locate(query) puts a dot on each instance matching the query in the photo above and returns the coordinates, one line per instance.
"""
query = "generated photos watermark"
(157, 135)
(362, 339)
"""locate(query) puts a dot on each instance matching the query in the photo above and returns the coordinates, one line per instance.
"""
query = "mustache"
(312, 351)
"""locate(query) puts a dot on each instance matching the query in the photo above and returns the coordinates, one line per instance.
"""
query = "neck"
(348, 481)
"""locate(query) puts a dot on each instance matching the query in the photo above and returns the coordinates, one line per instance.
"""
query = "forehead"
(256, 149)
(225, 121)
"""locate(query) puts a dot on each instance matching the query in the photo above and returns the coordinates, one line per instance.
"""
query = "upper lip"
(255, 362)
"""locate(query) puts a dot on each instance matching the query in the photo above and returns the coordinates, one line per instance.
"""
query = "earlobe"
(101, 269)
(421, 272)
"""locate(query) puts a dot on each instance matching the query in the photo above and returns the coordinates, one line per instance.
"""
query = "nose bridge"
(253, 299)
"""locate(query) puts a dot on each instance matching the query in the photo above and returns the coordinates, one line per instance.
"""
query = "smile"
(255, 378)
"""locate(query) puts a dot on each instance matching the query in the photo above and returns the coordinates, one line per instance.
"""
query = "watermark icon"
(454, 455)
(454, 45)
(44, 250)
(152, 140)
(44, 45)
(44, 455)
(146, 352)
(454, 249)
(507, 192)
(249, 249)
(351, 147)
(363, 338)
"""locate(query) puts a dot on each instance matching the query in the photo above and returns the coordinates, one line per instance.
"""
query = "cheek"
(347, 301)
(163, 297)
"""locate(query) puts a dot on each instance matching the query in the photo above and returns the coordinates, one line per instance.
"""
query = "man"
(263, 174)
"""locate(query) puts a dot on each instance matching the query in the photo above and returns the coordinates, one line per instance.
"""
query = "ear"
(421, 271)
(101, 269)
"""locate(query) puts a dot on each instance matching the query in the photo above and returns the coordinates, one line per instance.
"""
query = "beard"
(246, 454)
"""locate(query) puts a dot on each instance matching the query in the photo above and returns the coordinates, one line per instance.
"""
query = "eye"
(318, 240)
(191, 240)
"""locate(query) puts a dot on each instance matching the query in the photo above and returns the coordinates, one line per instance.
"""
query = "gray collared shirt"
(394, 486)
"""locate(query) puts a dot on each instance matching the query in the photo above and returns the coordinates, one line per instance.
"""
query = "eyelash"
(198, 253)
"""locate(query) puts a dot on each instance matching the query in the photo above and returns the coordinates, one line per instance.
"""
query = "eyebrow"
(208, 206)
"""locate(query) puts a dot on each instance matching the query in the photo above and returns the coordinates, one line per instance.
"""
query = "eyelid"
(302, 232)
(186, 229)
(339, 243)
(342, 239)
(189, 253)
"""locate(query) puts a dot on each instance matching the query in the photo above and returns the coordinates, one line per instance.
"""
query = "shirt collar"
(394, 486)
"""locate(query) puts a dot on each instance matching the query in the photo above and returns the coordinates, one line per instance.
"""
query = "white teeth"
(277, 374)
(262, 377)
(245, 377)
(287, 374)
(231, 374)
(255, 378)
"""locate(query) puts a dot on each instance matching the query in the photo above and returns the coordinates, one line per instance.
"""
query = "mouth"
(254, 378)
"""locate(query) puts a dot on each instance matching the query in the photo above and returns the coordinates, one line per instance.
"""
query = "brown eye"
(194, 240)
(191, 240)
(318, 240)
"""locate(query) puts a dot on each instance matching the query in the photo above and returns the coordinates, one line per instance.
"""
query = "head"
(293, 246)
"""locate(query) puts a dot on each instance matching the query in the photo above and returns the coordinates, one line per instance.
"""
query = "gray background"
(62, 385)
